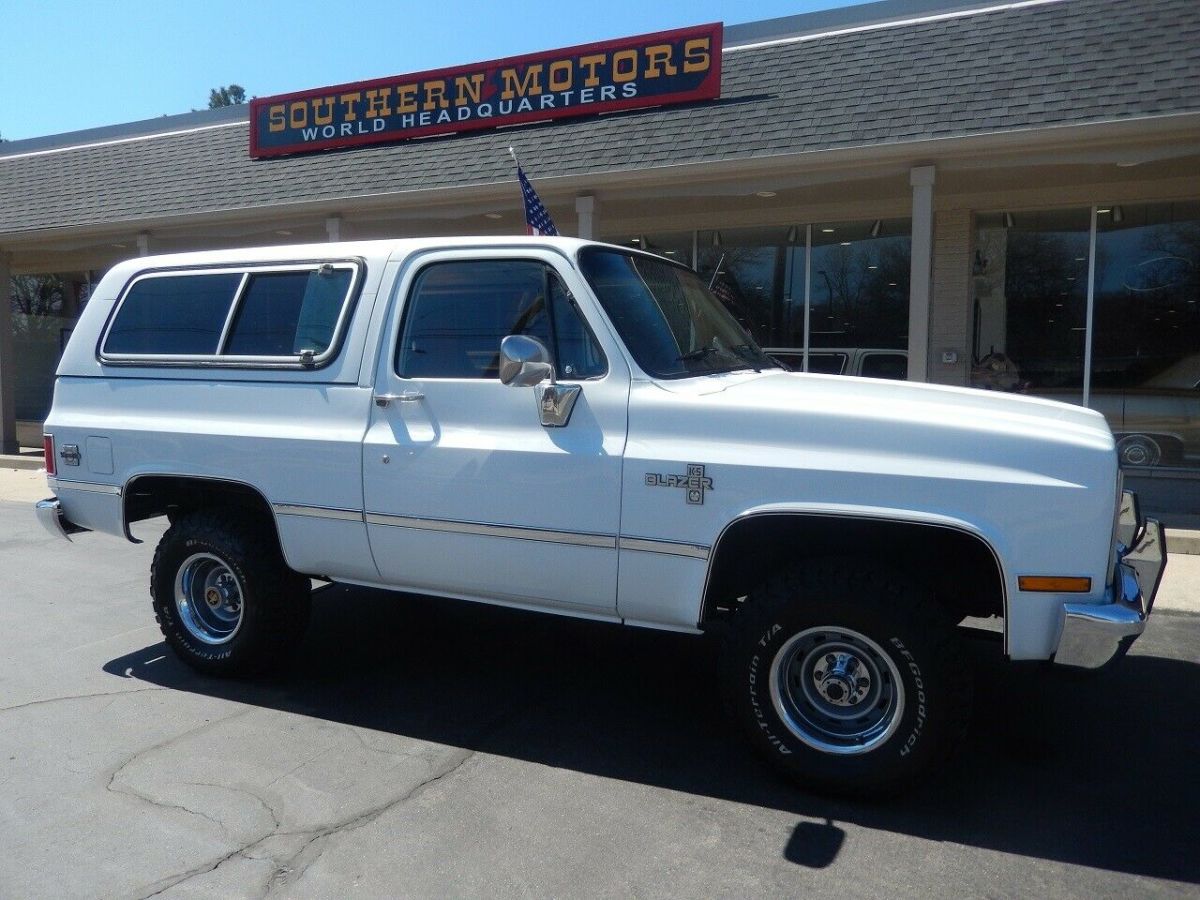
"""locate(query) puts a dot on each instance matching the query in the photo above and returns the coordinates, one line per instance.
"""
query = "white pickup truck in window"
(576, 428)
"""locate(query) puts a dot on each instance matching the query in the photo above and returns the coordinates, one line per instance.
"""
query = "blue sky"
(72, 64)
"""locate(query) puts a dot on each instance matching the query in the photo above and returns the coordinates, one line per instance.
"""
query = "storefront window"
(674, 245)
(1031, 312)
(859, 293)
(1030, 273)
(1146, 346)
(44, 311)
(757, 273)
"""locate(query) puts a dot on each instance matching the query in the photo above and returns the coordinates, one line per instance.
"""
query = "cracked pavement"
(425, 748)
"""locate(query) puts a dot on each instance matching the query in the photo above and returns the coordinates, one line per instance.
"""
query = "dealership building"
(1004, 196)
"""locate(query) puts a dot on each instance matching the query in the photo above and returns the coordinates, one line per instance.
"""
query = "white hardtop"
(81, 359)
(389, 248)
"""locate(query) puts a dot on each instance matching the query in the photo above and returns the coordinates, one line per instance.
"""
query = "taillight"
(48, 450)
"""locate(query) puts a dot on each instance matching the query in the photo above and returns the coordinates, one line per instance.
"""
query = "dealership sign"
(651, 70)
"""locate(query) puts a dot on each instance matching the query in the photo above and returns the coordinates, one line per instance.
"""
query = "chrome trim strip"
(579, 539)
(318, 512)
(89, 486)
(671, 548)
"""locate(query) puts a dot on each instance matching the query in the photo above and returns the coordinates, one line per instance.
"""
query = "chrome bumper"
(50, 514)
(1093, 635)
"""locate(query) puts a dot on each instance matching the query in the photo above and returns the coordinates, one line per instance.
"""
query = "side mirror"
(524, 361)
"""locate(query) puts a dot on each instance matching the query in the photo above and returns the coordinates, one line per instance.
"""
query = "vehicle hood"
(834, 421)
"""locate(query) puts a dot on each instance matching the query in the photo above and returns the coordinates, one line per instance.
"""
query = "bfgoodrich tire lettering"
(845, 677)
(257, 609)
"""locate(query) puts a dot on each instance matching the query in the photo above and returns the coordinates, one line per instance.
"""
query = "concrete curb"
(27, 459)
(1180, 540)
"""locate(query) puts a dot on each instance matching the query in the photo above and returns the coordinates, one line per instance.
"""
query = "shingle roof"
(1024, 67)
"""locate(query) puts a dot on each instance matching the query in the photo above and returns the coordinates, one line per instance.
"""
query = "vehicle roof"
(339, 249)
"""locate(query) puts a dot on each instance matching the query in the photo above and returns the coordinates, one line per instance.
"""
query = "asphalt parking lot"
(425, 748)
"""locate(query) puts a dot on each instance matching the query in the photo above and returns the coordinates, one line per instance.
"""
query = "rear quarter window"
(181, 315)
(237, 317)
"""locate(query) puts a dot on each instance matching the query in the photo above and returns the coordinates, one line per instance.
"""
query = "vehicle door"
(467, 493)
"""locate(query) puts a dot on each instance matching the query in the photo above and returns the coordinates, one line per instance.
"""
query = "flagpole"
(513, 154)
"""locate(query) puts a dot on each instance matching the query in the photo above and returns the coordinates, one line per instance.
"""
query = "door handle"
(383, 400)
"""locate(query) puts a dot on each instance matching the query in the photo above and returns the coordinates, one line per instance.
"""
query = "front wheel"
(846, 677)
(223, 596)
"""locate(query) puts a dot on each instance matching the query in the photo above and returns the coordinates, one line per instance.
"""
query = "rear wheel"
(846, 677)
(223, 596)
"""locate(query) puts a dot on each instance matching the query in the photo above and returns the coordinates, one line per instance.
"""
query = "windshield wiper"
(702, 352)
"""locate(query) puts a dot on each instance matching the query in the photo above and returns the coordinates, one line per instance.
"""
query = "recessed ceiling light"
(764, 194)
(120, 246)
(872, 267)
(635, 240)
(669, 252)
(826, 231)
(1127, 163)
(493, 215)
(845, 243)
(283, 231)
(891, 284)
(1105, 210)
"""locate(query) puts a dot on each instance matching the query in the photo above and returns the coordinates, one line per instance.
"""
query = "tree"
(234, 95)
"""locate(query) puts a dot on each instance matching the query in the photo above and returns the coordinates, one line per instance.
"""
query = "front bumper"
(1093, 635)
(50, 514)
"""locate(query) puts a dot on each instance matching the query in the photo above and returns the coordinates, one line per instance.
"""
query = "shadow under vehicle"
(1039, 777)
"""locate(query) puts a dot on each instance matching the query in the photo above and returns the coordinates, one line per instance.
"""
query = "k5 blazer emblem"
(695, 482)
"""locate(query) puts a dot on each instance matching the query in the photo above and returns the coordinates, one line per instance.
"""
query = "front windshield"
(667, 317)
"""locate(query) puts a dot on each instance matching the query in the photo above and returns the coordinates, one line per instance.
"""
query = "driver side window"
(458, 313)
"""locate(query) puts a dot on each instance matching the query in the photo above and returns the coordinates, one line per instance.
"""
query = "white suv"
(581, 429)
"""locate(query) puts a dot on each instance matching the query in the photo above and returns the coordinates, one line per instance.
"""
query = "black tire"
(899, 704)
(259, 610)
(1139, 450)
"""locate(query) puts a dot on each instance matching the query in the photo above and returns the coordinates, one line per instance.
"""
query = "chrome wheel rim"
(209, 599)
(837, 690)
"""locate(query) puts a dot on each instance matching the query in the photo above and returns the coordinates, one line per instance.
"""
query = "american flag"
(537, 220)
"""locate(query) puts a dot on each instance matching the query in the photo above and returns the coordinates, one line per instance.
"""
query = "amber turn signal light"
(1054, 584)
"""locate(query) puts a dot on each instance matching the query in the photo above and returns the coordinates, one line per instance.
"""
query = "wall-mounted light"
(1008, 220)
(876, 227)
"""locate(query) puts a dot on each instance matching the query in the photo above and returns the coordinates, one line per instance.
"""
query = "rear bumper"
(50, 514)
(1093, 635)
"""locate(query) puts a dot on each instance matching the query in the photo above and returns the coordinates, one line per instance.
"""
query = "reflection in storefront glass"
(674, 245)
(1030, 285)
(1146, 346)
(756, 274)
(1030, 275)
(860, 274)
(859, 282)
